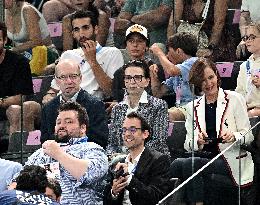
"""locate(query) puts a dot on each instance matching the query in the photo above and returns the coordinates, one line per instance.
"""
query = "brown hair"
(196, 74)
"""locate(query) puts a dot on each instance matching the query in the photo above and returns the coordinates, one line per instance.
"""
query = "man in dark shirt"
(15, 79)
(68, 77)
(15, 75)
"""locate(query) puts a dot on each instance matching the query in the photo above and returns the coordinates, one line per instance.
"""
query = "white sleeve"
(244, 6)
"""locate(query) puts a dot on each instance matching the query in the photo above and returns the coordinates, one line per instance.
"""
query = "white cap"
(136, 28)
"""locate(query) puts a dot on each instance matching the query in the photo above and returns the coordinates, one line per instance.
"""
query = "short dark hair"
(187, 42)
(93, 15)
(139, 63)
(74, 106)
(144, 124)
(196, 74)
(3, 29)
(32, 178)
(55, 186)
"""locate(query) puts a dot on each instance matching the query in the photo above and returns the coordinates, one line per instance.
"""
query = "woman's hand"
(228, 137)
(201, 138)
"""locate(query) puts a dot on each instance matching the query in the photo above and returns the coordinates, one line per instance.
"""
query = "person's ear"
(83, 129)
(96, 29)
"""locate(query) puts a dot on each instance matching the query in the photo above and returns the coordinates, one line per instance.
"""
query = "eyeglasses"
(70, 76)
(137, 78)
(131, 129)
(249, 38)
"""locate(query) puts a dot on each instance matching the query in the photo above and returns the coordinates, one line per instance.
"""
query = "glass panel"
(28, 142)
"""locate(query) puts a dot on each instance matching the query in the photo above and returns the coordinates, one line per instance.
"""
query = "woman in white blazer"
(220, 118)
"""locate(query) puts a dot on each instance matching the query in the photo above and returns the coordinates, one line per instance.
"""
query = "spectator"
(221, 45)
(26, 26)
(137, 43)
(98, 63)
(248, 81)
(178, 62)
(145, 174)
(53, 190)
(30, 187)
(9, 169)
(249, 14)
(103, 22)
(153, 15)
(218, 115)
(15, 80)
(83, 165)
(152, 109)
(68, 78)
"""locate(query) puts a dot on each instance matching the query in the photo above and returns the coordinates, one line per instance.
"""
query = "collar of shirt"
(132, 165)
(72, 99)
(143, 99)
(80, 140)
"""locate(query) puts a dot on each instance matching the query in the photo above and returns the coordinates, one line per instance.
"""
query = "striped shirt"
(89, 188)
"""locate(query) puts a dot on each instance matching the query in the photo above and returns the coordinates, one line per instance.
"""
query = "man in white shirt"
(143, 176)
(97, 63)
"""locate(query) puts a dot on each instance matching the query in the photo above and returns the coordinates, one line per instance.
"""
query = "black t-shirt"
(15, 75)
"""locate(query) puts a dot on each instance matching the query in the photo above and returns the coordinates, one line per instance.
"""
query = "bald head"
(66, 63)
(68, 77)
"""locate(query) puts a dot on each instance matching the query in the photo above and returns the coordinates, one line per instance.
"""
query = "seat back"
(17, 138)
(175, 141)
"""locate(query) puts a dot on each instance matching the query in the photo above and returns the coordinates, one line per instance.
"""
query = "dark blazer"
(150, 182)
(97, 128)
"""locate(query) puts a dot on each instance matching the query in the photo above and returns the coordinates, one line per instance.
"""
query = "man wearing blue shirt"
(8, 170)
(82, 165)
(177, 64)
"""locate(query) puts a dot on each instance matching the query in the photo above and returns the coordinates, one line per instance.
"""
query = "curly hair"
(32, 178)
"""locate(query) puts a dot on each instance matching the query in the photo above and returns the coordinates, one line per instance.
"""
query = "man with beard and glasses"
(97, 63)
(82, 165)
(68, 78)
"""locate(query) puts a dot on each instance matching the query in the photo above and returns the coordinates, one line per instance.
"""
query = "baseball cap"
(136, 28)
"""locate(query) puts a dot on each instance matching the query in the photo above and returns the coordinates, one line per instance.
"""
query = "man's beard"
(62, 139)
(84, 39)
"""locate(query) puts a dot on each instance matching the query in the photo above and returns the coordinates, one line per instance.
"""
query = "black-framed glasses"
(249, 38)
(137, 78)
(131, 129)
(70, 76)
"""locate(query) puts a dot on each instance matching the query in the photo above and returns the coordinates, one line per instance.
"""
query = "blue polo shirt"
(182, 81)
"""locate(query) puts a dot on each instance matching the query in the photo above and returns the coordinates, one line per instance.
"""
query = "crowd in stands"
(117, 74)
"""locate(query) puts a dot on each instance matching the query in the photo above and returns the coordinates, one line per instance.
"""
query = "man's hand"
(120, 183)
(153, 71)
(52, 148)
(89, 49)
(156, 50)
